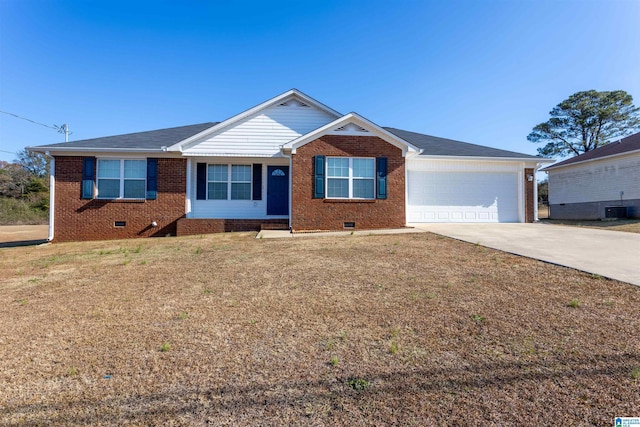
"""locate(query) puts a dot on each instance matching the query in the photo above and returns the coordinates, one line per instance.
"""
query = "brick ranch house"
(291, 163)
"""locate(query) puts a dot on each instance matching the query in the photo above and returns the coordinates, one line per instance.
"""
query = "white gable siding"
(263, 133)
(597, 180)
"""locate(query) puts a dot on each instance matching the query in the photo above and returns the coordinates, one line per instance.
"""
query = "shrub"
(23, 211)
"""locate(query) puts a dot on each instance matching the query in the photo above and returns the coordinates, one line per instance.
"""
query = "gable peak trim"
(353, 122)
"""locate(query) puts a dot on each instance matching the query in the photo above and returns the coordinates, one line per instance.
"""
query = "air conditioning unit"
(615, 212)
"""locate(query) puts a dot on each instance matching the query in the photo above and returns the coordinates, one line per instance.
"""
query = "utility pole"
(64, 129)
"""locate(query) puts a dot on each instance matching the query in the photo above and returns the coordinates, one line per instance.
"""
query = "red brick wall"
(191, 226)
(81, 219)
(529, 199)
(323, 214)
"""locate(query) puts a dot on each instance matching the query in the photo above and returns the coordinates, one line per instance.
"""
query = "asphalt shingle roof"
(151, 140)
(435, 146)
(629, 143)
(156, 139)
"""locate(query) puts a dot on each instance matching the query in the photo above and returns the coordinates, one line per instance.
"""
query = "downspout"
(52, 193)
(406, 189)
(188, 190)
(290, 156)
(535, 193)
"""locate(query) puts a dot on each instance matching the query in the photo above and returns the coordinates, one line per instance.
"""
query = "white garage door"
(462, 196)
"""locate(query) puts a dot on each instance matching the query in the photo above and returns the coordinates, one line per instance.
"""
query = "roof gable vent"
(293, 103)
(349, 128)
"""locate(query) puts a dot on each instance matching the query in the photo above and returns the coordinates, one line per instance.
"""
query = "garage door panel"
(470, 216)
(462, 196)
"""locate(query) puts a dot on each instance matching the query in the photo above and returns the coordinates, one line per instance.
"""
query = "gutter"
(94, 149)
(494, 159)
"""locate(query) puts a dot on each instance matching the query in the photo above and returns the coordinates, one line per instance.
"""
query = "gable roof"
(154, 140)
(180, 138)
(292, 93)
(622, 146)
(362, 127)
(435, 146)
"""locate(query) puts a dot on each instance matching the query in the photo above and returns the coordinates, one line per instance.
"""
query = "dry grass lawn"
(628, 225)
(384, 330)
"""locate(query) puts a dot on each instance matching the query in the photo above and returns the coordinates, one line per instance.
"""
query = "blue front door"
(277, 190)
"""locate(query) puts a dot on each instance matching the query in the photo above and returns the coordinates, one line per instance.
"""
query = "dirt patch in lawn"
(358, 330)
(19, 235)
(628, 225)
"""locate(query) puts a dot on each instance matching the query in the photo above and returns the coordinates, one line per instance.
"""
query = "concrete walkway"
(612, 254)
(283, 234)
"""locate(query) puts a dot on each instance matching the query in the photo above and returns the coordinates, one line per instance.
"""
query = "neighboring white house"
(601, 183)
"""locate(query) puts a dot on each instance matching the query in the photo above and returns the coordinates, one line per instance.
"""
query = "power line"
(10, 152)
(29, 120)
(60, 129)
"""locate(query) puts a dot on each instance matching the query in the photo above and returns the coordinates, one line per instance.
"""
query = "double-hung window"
(229, 182)
(122, 179)
(350, 178)
(240, 182)
(218, 178)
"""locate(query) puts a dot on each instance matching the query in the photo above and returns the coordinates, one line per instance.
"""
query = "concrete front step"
(274, 226)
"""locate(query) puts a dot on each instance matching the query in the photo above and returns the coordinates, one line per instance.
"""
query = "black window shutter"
(152, 179)
(318, 174)
(88, 177)
(257, 181)
(201, 181)
(381, 167)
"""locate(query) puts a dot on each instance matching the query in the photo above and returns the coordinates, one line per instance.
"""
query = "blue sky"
(484, 72)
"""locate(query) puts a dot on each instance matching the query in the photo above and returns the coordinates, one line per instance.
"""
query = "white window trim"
(121, 179)
(350, 178)
(212, 181)
(229, 182)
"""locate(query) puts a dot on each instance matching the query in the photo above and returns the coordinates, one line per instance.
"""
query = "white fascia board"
(581, 162)
(356, 119)
(179, 146)
(484, 158)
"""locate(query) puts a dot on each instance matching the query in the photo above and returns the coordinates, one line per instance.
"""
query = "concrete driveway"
(612, 254)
